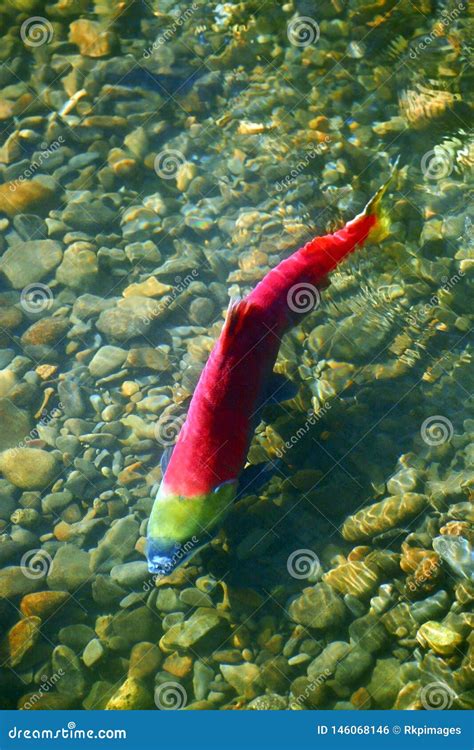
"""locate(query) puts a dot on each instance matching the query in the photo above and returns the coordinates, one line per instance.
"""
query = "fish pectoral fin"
(237, 314)
(166, 458)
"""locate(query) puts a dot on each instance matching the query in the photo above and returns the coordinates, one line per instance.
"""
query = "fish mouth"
(163, 559)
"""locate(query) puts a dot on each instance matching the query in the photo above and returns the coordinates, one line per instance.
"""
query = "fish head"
(180, 526)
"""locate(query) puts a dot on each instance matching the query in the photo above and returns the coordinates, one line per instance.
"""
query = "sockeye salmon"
(200, 480)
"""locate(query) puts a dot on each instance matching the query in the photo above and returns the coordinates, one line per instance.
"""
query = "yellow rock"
(20, 639)
(91, 40)
(130, 696)
(382, 516)
(28, 468)
(21, 197)
(149, 288)
(439, 638)
(356, 578)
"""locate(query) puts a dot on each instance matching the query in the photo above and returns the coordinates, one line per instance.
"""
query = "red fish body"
(200, 481)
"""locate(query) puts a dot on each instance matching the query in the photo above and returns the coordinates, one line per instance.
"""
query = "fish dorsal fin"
(237, 313)
(165, 459)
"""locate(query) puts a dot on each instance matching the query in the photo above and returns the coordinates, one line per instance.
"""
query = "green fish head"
(180, 526)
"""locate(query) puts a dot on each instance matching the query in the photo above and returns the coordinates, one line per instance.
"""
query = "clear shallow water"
(186, 149)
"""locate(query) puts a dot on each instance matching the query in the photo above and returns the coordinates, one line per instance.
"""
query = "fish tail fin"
(378, 209)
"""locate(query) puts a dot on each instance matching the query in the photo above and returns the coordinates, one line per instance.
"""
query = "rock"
(382, 516)
(79, 268)
(195, 598)
(118, 542)
(131, 696)
(91, 39)
(318, 607)
(106, 360)
(76, 636)
(269, 702)
(385, 683)
(202, 678)
(69, 569)
(27, 262)
(357, 578)
(324, 665)
(46, 331)
(19, 640)
(168, 600)
(244, 678)
(145, 659)
(151, 287)
(55, 502)
(178, 666)
(93, 652)
(309, 692)
(14, 582)
(151, 359)
(20, 197)
(105, 591)
(46, 701)
(28, 468)
(368, 633)
(135, 625)
(204, 629)
(16, 424)
(67, 664)
(441, 639)
(457, 553)
(70, 395)
(43, 604)
(130, 317)
(201, 311)
(130, 575)
(352, 666)
(99, 695)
